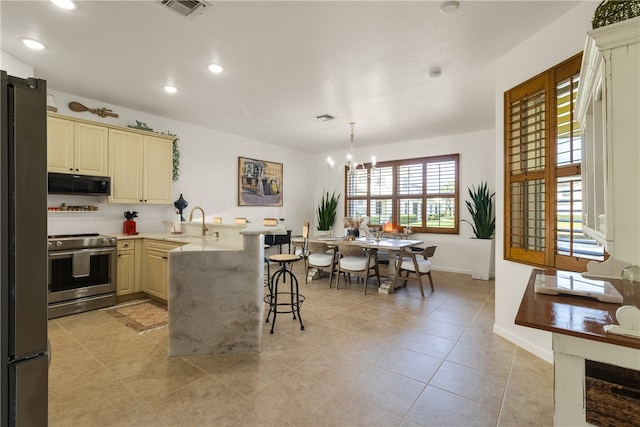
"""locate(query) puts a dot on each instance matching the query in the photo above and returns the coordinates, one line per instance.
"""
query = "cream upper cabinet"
(158, 169)
(125, 166)
(76, 147)
(140, 167)
(608, 110)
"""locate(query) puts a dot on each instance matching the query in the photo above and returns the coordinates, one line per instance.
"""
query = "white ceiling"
(285, 63)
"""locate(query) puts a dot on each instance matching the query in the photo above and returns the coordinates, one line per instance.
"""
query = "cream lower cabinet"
(76, 147)
(156, 267)
(141, 167)
(128, 266)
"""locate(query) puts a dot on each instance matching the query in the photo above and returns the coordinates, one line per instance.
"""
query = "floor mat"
(141, 316)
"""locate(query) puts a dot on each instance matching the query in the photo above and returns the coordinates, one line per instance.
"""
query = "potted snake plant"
(480, 207)
(326, 212)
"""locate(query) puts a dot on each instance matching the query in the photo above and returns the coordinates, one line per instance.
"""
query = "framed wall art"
(259, 182)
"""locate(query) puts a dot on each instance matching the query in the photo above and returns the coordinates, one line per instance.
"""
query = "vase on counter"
(354, 232)
(130, 227)
(180, 204)
(51, 104)
(130, 224)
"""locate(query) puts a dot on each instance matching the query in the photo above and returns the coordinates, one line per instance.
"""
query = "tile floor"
(374, 360)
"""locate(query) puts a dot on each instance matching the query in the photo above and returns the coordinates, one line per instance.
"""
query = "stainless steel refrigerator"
(23, 251)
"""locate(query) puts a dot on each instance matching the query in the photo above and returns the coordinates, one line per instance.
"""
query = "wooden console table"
(578, 337)
(278, 239)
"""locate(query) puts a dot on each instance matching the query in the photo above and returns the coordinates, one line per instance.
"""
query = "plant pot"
(481, 258)
(130, 227)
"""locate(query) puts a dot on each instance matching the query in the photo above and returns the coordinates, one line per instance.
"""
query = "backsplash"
(108, 219)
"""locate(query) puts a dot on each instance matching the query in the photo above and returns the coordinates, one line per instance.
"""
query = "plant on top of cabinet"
(612, 11)
(176, 151)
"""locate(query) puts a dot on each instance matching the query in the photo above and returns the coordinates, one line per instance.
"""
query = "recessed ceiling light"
(33, 44)
(64, 4)
(215, 68)
(449, 7)
(170, 89)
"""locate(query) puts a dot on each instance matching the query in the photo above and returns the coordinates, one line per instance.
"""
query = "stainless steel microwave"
(64, 183)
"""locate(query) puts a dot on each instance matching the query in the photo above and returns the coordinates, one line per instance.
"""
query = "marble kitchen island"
(216, 290)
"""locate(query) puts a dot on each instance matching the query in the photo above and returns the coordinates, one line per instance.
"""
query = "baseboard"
(129, 297)
(451, 270)
(542, 353)
(458, 270)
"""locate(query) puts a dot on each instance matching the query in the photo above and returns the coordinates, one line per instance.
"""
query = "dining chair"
(267, 222)
(417, 263)
(320, 256)
(305, 240)
(355, 259)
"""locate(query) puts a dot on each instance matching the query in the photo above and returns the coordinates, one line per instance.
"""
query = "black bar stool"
(295, 299)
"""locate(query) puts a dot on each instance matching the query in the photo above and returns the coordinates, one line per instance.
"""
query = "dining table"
(391, 245)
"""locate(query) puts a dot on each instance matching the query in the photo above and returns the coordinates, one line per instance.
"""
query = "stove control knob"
(105, 240)
(113, 240)
(58, 243)
(49, 244)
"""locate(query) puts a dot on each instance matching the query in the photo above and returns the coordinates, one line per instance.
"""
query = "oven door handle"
(64, 254)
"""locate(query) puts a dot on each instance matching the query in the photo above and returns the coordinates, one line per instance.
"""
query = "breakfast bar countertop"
(574, 315)
(229, 240)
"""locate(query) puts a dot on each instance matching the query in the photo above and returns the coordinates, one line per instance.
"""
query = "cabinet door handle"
(164, 257)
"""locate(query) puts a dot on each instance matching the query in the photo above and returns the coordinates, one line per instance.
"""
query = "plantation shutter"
(543, 186)
(526, 159)
(441, 188)
(381, 197)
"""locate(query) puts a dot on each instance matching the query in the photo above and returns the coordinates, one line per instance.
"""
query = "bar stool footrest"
(296, 307)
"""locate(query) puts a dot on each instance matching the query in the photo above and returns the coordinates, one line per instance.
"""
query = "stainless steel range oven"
(82, 273)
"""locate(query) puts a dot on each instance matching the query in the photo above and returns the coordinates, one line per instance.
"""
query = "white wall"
(558, 41)
(14, 67)
(209, 169)
(208, 176)
(477, 157)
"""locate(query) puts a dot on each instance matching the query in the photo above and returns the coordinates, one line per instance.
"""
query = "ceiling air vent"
(325, 117)
(185, 7)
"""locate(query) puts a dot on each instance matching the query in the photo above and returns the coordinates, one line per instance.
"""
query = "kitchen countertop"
(576, 316)
(193, 243)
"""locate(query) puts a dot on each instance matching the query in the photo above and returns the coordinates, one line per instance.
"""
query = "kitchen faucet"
(204, 227)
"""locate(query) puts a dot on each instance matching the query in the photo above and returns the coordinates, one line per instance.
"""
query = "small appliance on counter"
(130, 224)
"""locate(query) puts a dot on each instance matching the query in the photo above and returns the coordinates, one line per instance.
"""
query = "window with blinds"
(417, 193)
(543, 189)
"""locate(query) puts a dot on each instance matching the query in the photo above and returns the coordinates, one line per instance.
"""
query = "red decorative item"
(130, 227)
